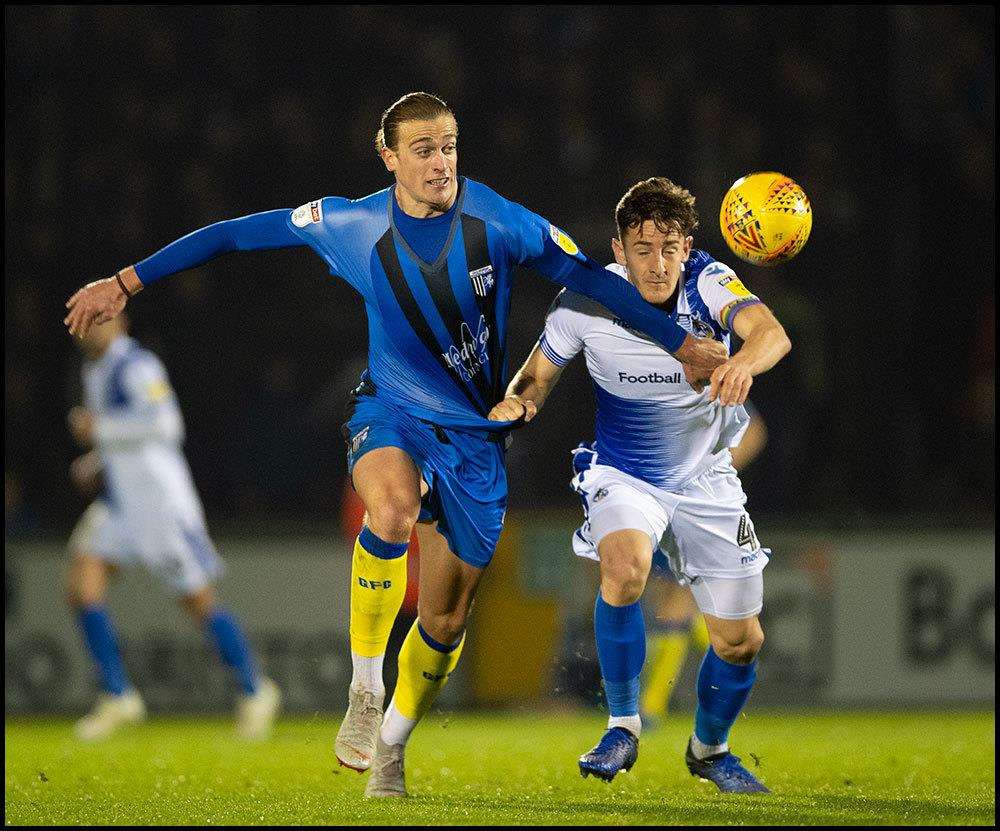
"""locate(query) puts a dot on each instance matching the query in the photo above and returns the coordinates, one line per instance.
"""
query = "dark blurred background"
(128, 127)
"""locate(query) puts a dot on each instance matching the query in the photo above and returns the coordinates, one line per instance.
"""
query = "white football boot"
(255, 713)
(355, 743)
(110, 713)
(387, 777)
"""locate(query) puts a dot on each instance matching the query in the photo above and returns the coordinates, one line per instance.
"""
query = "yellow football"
(765, 218)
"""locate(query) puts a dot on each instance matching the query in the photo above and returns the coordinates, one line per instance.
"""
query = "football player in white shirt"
(660, 472)
(148, 513)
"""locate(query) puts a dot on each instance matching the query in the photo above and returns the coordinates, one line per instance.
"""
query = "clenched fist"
(512, 408)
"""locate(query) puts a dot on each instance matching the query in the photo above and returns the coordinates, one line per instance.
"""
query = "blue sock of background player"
(723, 689)
(102, 643)
(233, 648)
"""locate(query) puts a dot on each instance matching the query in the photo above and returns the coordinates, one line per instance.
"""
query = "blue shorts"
(464, 471)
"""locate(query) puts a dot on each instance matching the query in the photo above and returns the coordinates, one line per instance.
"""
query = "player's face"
(425, 162)
(653, 258)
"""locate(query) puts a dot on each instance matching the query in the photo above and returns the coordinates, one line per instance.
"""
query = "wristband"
(121, 283)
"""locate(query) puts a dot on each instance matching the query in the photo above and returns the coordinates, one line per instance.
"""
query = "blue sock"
(723, 689)
(621, 650)
(102, 643)
(233, 648)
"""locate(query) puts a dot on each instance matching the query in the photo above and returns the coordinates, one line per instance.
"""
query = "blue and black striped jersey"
(437, 330)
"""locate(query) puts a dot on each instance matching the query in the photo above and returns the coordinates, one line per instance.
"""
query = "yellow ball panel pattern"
(765, 218)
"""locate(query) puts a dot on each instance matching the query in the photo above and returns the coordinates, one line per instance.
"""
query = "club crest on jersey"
(468, 359)
(308, 214)
(482, 280)
(695, 325)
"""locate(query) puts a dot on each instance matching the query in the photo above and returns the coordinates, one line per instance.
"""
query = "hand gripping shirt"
(650, 422)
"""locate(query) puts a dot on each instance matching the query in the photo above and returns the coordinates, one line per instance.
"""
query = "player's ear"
(616, 246)
(389, 159)
(688, 242)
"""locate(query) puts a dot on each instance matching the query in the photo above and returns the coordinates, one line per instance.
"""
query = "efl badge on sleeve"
(308, 214)
(562, 239)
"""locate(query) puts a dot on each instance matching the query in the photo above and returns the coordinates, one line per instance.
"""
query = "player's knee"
(622, 591)
(623, 582)
(445, 626)
(742, 647)
(199, 605)
(393, 514)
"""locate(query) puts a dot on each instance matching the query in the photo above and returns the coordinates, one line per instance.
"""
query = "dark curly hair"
(670, 206)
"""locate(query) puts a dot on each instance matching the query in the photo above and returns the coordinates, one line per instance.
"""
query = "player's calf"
(619, 630)
(724, 684)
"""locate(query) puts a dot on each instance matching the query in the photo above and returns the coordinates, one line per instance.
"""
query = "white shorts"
(178, 552)
(703, 529)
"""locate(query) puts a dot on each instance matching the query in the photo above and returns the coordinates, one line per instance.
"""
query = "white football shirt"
(650, 422)
(139, 431)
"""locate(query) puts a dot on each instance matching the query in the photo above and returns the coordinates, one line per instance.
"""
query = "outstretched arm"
(540, 245)
(528, 389)
(100, 301)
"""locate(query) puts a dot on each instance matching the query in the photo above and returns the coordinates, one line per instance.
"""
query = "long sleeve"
(254, 232)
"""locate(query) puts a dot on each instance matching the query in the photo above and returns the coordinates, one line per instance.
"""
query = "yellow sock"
(699, 634)
(423, 670)
(378, 584)
(669, 651)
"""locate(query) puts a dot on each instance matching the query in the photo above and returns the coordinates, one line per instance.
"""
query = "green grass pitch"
(844, 768)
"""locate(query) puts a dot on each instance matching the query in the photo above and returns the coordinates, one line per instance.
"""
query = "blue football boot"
(617, 750)
(725, 770)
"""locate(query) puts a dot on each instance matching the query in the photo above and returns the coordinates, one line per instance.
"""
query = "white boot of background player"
(110, 713)
(255, 713)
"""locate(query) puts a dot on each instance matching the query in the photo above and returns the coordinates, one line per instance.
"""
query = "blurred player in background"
(433, 257)
(148, 513)
(661, 464)
(676, 623)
